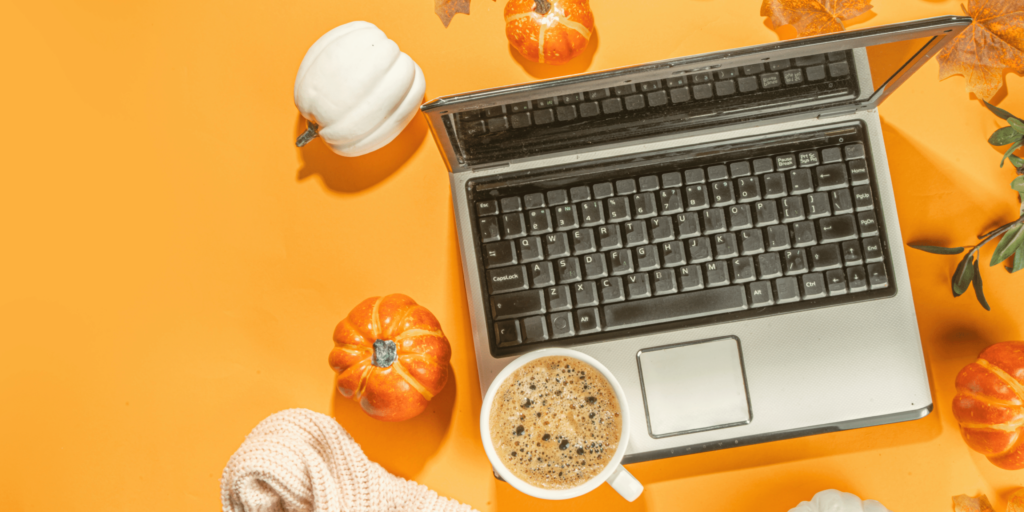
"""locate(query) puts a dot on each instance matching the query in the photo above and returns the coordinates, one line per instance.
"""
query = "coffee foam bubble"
(555, 422)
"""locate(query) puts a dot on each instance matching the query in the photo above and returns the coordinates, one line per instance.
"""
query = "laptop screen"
(662, 98)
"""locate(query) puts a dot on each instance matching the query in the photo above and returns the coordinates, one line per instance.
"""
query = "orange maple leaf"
(993, 42)
(813, 17)
(964, 503)
(447, 9)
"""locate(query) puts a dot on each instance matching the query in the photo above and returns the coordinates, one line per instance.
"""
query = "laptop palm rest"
(694, 386)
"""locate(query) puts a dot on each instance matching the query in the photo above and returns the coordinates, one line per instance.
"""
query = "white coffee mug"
(616, 475)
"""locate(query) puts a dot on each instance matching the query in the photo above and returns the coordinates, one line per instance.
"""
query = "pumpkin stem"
(541, 6)
(308, 135)
(384, 353)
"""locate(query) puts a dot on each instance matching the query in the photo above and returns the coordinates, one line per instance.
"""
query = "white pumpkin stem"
(308, 135)
(541, 6)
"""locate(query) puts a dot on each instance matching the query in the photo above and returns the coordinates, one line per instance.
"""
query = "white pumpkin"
(836, 501)
(357, 89)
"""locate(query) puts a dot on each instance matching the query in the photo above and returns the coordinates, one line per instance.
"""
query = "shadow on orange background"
(350, 175)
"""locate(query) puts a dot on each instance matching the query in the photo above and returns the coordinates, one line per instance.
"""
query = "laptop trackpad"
(694, 386)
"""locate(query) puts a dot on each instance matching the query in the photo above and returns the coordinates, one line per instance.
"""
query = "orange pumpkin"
(549, 31)
(989, 404)
(390, 356)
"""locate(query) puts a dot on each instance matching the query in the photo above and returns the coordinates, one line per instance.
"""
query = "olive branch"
(1012, 242)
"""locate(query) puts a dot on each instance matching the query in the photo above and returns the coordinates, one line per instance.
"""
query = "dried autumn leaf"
(447, 9)
(993, 42)
(1016, 501)
(964, 503)
(813, 17)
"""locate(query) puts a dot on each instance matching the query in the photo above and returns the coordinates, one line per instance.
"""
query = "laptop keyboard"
(481, 133)
(752, 231)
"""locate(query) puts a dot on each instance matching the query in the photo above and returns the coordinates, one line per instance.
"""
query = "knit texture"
(302, 461)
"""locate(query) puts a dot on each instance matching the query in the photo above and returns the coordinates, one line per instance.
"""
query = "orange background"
(172, 267)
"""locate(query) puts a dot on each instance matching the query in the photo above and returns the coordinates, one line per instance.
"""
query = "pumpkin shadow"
(401, 447)
(353, 174)
(580, 64)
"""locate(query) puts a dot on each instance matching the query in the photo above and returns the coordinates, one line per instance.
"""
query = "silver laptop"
(718, 230)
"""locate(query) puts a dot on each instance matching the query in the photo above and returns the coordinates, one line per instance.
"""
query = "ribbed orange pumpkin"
(549, 31)
(989, 404)
(390, 356)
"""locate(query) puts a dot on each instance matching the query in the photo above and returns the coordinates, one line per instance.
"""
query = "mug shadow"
(508, 499)
(353, 174)
(580, 64)
(402, 447)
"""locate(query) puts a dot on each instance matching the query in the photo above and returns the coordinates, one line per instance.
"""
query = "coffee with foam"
(555, 422)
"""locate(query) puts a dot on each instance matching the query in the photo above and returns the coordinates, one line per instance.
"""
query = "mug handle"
(625, 484)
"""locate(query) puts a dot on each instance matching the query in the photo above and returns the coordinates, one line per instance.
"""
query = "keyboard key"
(598, 94)
(559, 299)
(739, 217)
(703, 91)
(579, 194)
(540, 221)
(518, 304)
(722, 193)
(499, 254)
(717, 273)
(529, 249)
(591, 213)
(774, 185)
(837, 229)
(545, 103)
(803, 233)
(532, 201)
(671, 201)
(836, 56)
(535, 329)
(507, 333)
(585, 293)
(653, 85)
(611, 290)
(647, 258)
(835, 280)
(718, 172)
(589, 109)
(562, 325)
(546, 116)
(760, 294)
(556, 245)
(583, 241)
(675, 307)
(809, 60)
(620, 262)
(618, 209)
(841, 201)
(511, 204)
(565, 218)
(693, 176)
(831, 155)
(635, 102)
(862, 198)
(611, 106)
(792, 209)
(746, 84)
(769, 266)
(588, 321)
(644, 205)
(494, 111)
(770, 80)
(726, 246)
(868, 224)
(676, 81)
(793, 76)
(696, 197)
(808, 158)
(838, 69)
(497, 124)
(763, 165)
(568, 270)
(825, 257)
(856, 279)
(751, 242)
(779, 65)
(557, 197)
(851, 253)
(830, 177)
(680, 95)
(815, 73)
(699, 249)
(748, 189)
(625, 187)
(778, 237)
(635, 232)
(624, 90)
(687, 225)
(595, 266)
(753, 69)
(872, 249)
(567, 99)
(794, 262)
(786, 162)
(766, 213)
(521, 120)
(603, 190)
(691, 278)
(725, 88)
(484, 208)
(490, 231)
(608, 237)
(739, 169)
(800, 181)
(661, 229)
(877, 278)
(743, 270)
(664, 282)
(508, 279)
(787, 289)
(714, 221)
(565, 113)
(812, 286)
(858, 172)
(672, 179)
(638, 286)
(672, 254)
(818, 205)
(541, 274)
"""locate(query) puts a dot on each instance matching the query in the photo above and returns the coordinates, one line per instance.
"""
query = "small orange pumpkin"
(549, 31)
(390, 356)
(989, 404)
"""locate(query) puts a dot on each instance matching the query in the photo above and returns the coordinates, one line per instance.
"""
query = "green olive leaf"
(977, 287)
(1012, 239)
(1016, 124)
(1016, 161)
(1002, 114)
(963, 275)
(937, 250)
(1003, 136)
(1018, 260)
(1018, 184)
(1009, 152)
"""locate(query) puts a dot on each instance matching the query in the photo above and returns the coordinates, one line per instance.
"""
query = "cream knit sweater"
(302, 461)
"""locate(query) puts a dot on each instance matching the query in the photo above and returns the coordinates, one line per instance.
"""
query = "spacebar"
(675, 307)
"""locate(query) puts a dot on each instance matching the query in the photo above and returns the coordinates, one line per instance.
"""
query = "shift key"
(517, 304)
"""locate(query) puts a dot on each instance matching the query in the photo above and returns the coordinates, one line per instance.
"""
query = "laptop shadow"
(350, 175)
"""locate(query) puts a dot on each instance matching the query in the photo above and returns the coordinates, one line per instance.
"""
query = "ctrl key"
(507, 333)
